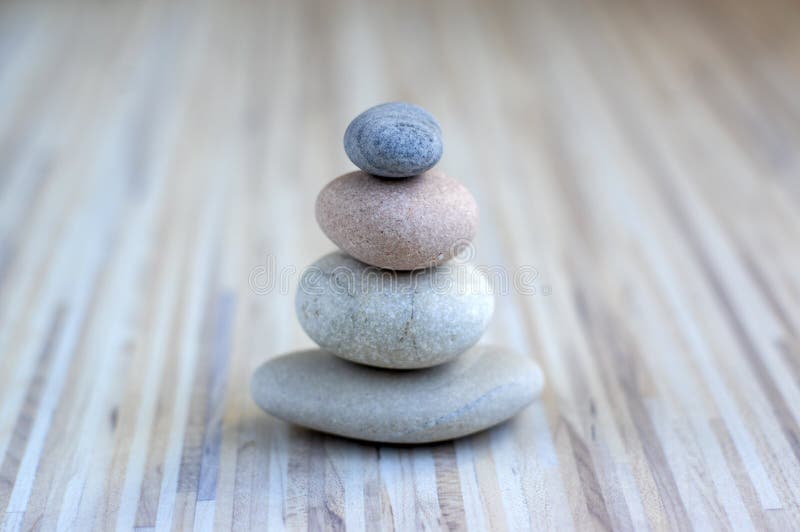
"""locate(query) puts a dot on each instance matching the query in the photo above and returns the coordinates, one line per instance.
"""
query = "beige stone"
(400, 224)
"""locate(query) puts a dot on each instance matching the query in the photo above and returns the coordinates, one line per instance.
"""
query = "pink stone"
(401, 224)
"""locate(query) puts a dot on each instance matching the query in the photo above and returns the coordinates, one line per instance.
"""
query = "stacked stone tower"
(396, 316)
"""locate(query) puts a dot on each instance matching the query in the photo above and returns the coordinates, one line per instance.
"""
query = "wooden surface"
(643, 157)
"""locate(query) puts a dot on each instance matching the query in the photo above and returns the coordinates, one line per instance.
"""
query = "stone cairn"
(395, 318)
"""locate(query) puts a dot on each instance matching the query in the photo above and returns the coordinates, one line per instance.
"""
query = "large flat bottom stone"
(484, 386)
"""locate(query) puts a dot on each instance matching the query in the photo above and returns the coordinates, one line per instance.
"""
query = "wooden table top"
(159, 162)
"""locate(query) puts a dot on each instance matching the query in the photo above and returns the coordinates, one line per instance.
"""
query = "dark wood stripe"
(325, 490)
(740, 475)
(7, 252)
(22, 428)
(767, 292)
(595, 501)
(448, 487)
(218, 380)
(150, 492)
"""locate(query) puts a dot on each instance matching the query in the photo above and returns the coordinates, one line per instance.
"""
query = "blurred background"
(642, 156)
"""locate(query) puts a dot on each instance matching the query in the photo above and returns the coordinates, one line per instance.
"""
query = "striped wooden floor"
(159, 157)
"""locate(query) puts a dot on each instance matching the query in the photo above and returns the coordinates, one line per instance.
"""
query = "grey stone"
(483, 387)
(393, 319)
(394, 140)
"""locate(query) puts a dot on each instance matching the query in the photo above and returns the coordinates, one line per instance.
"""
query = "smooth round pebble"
(394, 140)
(405, 224)
(485, 386)
(391, 319)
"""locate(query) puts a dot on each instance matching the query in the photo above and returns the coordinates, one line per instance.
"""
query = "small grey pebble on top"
(394, 140)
